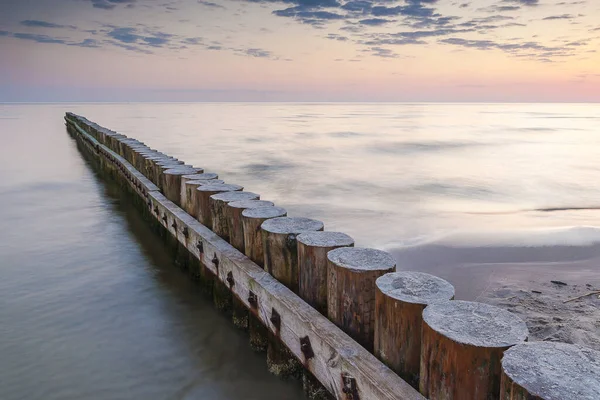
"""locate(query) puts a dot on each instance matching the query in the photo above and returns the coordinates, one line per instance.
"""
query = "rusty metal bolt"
(275, 319)
(252, 299)
(230, 279)
(165, 217)
(200, 247)
(186, 233)
(174, 225)
(349, 387)
(306, 347)
(215, 261)
(156, 210)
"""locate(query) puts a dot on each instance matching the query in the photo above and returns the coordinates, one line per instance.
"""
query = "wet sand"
(519, 279)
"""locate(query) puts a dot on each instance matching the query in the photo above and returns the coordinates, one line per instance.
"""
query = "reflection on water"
(91, 306)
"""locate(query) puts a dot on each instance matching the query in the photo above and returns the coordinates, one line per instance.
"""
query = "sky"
(300, 50)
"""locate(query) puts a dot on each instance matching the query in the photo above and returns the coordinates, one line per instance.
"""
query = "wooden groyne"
(336, 315)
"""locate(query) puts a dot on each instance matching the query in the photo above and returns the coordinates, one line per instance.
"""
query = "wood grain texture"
(251, 223)
(352, 273)
(400, 299)
(312, 265)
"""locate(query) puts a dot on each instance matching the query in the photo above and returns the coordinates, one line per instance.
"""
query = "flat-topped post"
(461, 347)
(280, 248)
(550, 371)
(351, 276)
(203, 194)
(218, 203)
(233, 213)
(312, 264)
(252, 219)
(191, 199)
(183, 195)
(171, 182)
(400, 298)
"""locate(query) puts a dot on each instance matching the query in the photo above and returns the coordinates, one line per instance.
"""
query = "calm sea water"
(91, 307)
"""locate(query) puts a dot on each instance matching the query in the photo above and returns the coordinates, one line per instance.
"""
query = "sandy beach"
(542, 283)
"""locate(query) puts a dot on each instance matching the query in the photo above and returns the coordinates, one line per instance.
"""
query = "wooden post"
(280, 247)
(218, 203)
(252, 219)
(550, 370)
(312, 265)
(172, 182)
(233, 212)
(351, 275)
(191, 203)
(163, 165)
(400, 298)
(204, 192)
(183, 195)
(462, 343)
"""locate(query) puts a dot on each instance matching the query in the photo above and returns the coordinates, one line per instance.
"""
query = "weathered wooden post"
(400, 298)
(191, 204)
(234, 211)
(203, 194)
(163, 165)
(351, 276)
(171, 182)
(280, 246)
(281, 260)
(183, 195)
(550, 371)
(462, 343)
(312, 265)
(252, 219)
(218, 203)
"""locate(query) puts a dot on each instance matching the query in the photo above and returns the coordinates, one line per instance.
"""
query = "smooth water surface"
(91, 307)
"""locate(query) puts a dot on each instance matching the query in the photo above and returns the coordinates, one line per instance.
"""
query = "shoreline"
(520, 279)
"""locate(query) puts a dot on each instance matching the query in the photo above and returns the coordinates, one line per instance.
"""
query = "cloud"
(529, 3)
(375, 21)
(524, 49)
(32, 23)
(132, 36)
(382, 52)
(563, 16)
(210, 4)
(111, 4)
(260, 53)
(37, 38)
(335, 36)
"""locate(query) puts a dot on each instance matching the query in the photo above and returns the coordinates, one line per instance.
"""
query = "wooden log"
(171, 182)
(280, 246)
(252, 219)
(462, 343)
(218, 203)
(351, 276)
(183, 195)
(203, 194)
(312, 265)
(162, 166)
(550, 371)
(400, 298)
(233, 212)
(191, 203)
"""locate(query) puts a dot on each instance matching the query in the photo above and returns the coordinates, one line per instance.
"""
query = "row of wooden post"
(446, 348)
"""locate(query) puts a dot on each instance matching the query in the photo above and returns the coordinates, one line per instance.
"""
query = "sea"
(92, 307)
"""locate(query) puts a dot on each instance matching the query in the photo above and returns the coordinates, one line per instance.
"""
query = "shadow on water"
(226, 366)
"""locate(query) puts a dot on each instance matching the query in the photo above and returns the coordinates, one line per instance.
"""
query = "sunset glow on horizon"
(300, 50)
